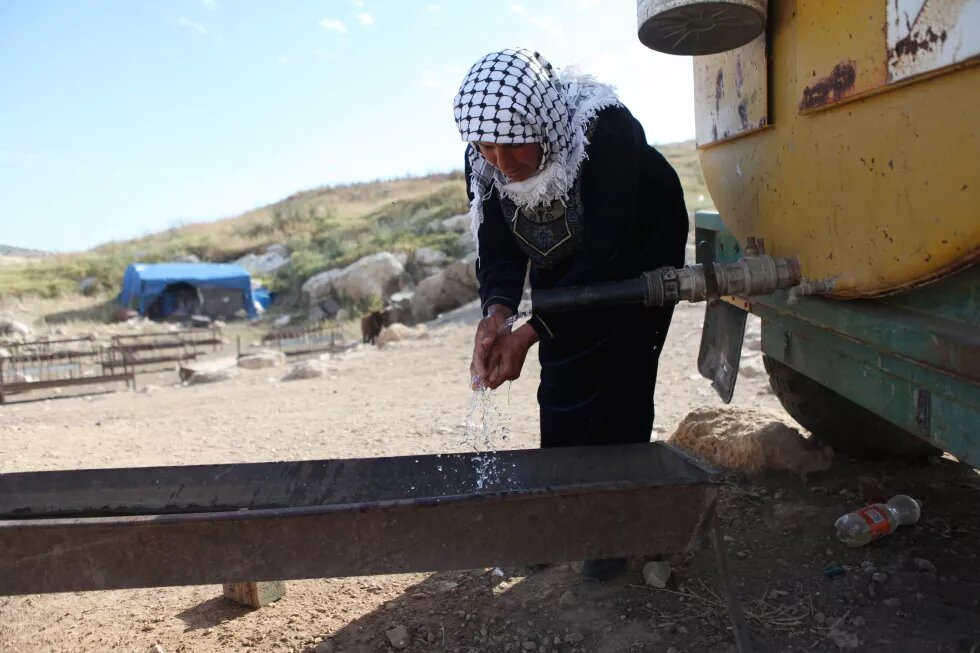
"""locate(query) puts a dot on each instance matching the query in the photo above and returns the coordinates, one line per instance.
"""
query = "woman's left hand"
(506, 358)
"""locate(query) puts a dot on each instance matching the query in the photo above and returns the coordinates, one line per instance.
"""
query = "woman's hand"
(507, 355)
(486, 334)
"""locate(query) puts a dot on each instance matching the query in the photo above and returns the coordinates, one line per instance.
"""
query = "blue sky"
(120, 118)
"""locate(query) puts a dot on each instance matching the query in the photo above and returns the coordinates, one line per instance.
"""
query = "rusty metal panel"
(320, 519)
(731, 91)
(926, 35)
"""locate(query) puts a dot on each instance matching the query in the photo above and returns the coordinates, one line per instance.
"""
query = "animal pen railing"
(304, 342)
(46, 364)
(141, 349)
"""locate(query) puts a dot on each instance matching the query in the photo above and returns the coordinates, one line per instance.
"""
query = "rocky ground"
(916, 590)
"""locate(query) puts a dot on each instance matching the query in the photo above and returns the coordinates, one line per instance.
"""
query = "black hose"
(613, 293)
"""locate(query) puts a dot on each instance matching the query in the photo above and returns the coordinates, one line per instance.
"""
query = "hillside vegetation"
(323, 228)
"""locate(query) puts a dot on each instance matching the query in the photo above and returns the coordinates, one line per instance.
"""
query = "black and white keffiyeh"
(516, 96)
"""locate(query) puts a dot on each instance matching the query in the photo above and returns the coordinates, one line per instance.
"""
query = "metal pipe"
(748, 276)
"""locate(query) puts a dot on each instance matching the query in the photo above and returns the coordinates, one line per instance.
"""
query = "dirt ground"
(917, 590)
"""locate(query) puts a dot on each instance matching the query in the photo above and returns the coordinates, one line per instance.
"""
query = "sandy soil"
(411, 397)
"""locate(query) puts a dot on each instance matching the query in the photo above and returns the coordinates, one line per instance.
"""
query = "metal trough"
(159, 526)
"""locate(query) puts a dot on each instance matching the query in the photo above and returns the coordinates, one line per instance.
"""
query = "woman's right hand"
(486, 333)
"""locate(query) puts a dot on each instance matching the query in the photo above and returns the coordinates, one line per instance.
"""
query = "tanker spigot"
(808, 288)
(748, 276)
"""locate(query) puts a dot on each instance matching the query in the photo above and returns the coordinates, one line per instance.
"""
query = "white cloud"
(430, 79)
(283, 59)
(433, 9)
(191, 25)
(365, 18)
(333, 24)
(518, 9)
(210, 4)
(357, 3)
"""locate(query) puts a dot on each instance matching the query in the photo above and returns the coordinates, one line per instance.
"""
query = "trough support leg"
(739, 626)
(255, 595)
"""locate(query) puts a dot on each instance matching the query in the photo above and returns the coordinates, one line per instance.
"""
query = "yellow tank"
(848, 135)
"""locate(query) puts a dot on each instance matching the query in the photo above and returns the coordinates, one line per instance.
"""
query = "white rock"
(843, 639)
(657, 573)
(310, 369)
(263, 264)
(14, 328)
(156, 648)
(458, 223)
(262, 359)
(398, 637)
(277, 249)
(429, 256)
(283, 320)
(198, 377)
(398, 332)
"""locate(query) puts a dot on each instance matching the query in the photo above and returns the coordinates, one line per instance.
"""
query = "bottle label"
(877, 520)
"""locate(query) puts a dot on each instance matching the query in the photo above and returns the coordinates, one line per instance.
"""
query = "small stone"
(776, 594)
(893, 602)
(557, 640)
(656, 573)
(567, 600)
(326, 646)
(147, 628)
(859, 621)
(728, 538)
(742, 554)
(671, 649)
(820, 617)
(622, 617)
(528, 645)
(156, 648)
(779, 494)
(919, 596)
(924, 565)
(398, 637)
(879, 577)
(574, 638)
(829, 553)
(843, 639)
(682, 630)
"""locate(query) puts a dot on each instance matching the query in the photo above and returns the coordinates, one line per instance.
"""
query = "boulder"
(458, 223)
(749, 441)
(197, 377)
(377, 275)
(430, 256)
(320, 286)
(262, 265)
(446, 290)
(182, 258)
(262, 359)
(656, 573)
(399, 308)
(14, 328)
(88, 285)
(310, 369)
(399, 332)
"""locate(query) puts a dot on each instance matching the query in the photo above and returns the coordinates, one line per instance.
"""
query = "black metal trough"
(160, 526)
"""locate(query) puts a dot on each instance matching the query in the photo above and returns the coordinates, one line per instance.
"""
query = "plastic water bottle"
(877, 520)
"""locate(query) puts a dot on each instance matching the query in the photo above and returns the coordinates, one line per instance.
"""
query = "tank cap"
(696, 27)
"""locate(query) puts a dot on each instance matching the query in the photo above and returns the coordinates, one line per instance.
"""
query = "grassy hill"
(323, 228)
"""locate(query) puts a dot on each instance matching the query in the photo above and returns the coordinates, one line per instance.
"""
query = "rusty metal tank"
(847, 134)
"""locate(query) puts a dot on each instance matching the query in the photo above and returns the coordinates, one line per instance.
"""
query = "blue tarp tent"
(146, 283)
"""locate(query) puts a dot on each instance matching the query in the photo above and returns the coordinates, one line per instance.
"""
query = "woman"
(560, 177)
